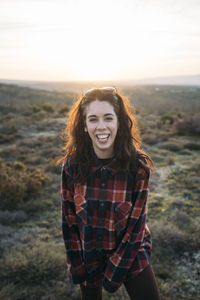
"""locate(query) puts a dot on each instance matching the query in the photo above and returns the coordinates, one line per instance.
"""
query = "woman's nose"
(101, 124)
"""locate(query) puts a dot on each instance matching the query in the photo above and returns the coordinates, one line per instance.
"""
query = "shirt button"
(103, 184)
(99, 238)
(102, 204)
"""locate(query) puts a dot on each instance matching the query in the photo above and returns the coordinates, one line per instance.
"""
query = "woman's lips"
(102, 138)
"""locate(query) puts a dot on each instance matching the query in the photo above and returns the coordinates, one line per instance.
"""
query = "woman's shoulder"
(68, 167)
(143, 166)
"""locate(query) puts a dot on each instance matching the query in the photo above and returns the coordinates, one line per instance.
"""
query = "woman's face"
(101, 125)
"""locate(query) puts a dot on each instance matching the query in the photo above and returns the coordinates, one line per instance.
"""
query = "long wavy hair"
(127, 146)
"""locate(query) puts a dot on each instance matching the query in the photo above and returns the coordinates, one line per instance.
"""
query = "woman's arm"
(121, 260)
(75, 263)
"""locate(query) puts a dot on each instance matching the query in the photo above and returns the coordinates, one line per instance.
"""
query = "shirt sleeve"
(74, 258)
(121, 260)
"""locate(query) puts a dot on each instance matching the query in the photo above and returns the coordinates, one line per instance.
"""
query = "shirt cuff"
(109, 286)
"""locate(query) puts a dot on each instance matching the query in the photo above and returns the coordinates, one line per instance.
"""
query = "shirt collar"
(98, 164)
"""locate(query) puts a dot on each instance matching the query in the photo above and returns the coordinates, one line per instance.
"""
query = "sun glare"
(98, 48)
(88, 40)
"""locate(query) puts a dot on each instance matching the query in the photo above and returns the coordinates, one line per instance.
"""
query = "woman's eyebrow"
(91, 116)
(108, 114)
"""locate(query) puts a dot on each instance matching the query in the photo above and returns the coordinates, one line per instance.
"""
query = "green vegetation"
(32, 254)
(19, 183)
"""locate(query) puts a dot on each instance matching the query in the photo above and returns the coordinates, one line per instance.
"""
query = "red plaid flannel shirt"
(104, 225)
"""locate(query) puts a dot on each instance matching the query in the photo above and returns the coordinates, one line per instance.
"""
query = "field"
(32, 254)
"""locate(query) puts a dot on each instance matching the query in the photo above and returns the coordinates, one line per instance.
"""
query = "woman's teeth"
(102, 136)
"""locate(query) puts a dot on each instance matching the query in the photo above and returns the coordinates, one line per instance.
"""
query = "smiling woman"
(104, 190)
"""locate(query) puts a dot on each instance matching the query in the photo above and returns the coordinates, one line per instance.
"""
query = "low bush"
(52, 167)
(35, 265)
(170, 146)
(65, 109)
(182, 178)
(51, 152)
(18, 183)
(169, 161)
(191, 146)
(9, 138)
(10, 126)
(167, 118)
(47, 107)
(150, 139)
(40, 115)
(177, 203)
(35, 108)
(168, 239)
(185, 152)
(187, 124)
(8, 218)
(180, 218)
(156, 206)
(157, 158)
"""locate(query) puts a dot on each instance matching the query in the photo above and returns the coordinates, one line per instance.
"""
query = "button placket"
(101, 212)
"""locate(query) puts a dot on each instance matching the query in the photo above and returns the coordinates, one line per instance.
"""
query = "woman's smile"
(103, 138)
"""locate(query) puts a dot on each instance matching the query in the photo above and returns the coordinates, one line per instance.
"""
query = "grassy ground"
(32, 254)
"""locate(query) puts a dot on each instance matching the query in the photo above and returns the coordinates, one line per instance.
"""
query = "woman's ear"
(85, 129)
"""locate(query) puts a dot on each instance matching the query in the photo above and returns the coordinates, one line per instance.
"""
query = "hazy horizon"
(98, 40)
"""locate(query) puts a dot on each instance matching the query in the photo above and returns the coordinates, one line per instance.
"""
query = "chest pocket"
(122, 212)
(80, 203)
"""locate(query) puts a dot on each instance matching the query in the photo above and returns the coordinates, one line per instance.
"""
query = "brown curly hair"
(127, 146)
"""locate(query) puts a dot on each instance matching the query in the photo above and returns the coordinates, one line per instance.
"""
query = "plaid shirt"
(103, 224)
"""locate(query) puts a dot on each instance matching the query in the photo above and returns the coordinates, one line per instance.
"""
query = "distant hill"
(13, 95)
(151, 98)
(78, 86)
(191, 80)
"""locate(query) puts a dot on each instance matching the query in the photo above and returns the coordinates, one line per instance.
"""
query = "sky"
(68, 40)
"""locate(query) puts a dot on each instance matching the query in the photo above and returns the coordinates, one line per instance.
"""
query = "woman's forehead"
(97, 107)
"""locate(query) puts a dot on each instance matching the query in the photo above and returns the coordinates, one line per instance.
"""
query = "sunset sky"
(98, 40)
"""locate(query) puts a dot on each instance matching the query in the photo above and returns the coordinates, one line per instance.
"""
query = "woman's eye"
(92, 120)
(109, 119)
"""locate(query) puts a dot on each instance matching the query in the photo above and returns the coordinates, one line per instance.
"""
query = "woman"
(104, 189)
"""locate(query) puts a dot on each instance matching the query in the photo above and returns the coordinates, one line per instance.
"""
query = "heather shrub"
(47, 107)
(9, 291)
(150, 139)
(35, 265)
(18, 183)
(10, 125)
(169, 161)
(185, 181)
(177, 203)
(167, 118)
(188, 124)
(51, 152)
(65, 109)
(8, 217)
(157, 158)
(170, 146)
(185, 152)
(179, 218)
(156, 205)
(35, 108)
(191, 146)
(168, 239)
(52, 167)
(40, 115)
